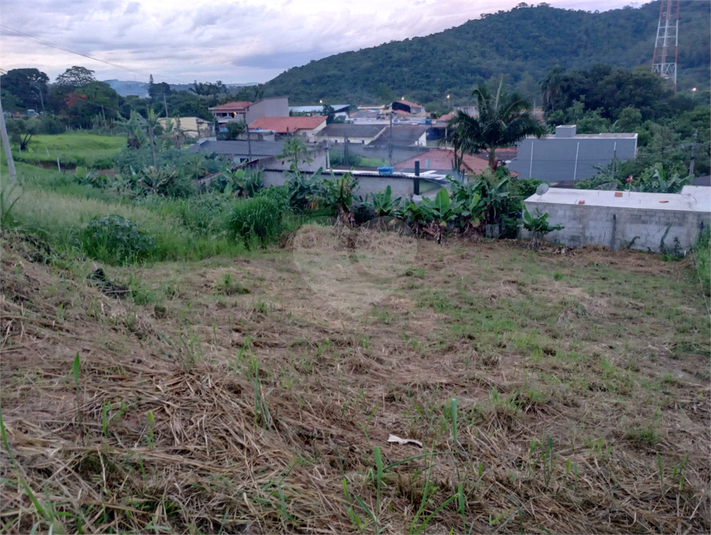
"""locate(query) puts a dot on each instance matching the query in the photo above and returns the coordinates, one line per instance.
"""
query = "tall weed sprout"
(259, 219)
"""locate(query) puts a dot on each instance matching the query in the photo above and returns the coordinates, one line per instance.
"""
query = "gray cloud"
(235, 41)
(132, 7)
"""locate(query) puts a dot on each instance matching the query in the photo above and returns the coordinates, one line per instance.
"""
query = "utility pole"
(39, 90)
(390, 145)
(6, 144)
(693, 153)
(249, 143)
(165, 103)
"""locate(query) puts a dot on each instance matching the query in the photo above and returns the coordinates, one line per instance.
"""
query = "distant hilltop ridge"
(522, 44)
(127, 88)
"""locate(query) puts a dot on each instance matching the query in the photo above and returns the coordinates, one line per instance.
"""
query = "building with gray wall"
(268, 107)
(568, 156)
(623, 219)
(261, 154)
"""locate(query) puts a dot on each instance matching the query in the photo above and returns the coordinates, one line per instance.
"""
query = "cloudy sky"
(236, 41)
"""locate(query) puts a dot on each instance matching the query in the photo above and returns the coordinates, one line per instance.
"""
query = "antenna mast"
(666, 46)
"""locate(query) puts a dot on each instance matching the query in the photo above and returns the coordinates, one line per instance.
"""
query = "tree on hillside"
(209, 89)
(159, 90)
(75, 77)
(329, 112)
(552, 88)
(504, 119)
(28, 86)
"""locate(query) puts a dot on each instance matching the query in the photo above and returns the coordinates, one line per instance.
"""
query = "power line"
(64, 49)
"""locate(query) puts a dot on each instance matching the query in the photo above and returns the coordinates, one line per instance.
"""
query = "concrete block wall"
(622, 228)
(318, 160)
(401, 186)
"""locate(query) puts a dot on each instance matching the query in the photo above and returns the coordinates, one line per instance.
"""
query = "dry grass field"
(552, 391)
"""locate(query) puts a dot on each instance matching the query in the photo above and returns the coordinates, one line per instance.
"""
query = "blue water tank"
(385, 170)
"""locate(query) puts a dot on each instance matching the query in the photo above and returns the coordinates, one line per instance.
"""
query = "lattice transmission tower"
(666, 47)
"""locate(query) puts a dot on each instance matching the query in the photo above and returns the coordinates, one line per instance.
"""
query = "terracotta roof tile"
(288, 125)
(232, 106)
(442, 159)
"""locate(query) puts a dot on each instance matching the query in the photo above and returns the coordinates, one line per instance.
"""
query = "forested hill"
(523, 43)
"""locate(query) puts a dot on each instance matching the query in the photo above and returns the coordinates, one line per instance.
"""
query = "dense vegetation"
(523, 43)
(605, 99)
(77, 100)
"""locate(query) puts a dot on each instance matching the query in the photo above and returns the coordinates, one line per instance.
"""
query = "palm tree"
(552, 88)
(503, 120)
(460, 133)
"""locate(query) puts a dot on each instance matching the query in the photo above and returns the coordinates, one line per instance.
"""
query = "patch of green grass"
(59, 219)
(643, 436)
(702, 261)
(372, 162)
(73, 149)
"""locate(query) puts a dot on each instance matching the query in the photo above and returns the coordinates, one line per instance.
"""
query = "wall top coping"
(691, 199)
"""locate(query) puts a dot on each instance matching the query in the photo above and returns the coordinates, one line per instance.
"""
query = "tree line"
(77, 99)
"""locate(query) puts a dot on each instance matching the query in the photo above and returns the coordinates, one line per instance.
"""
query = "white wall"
(621, 228)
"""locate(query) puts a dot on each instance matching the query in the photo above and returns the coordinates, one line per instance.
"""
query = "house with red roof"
(442, 161)
(306, 127)
(248, 112)
(231, 111)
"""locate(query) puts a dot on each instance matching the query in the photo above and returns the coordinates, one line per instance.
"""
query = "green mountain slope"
(522, 43)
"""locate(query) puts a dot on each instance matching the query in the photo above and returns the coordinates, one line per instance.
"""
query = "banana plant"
(431, 217)
(337, 195)
(473, 205)
(383, 204)
(538, 226)
(157, 180)
(656, 180)
(243, 183)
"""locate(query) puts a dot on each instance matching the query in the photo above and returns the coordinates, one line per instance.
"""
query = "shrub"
(257, 219)
(524, 187)
(50, 124)
(279, 194)
(115, 240)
